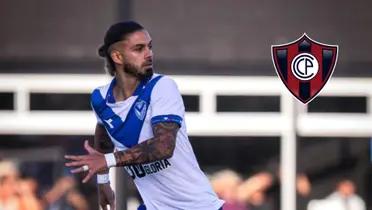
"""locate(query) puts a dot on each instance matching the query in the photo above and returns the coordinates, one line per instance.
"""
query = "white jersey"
(176, 183)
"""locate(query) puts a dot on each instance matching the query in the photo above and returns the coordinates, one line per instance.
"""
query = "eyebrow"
(140, 45)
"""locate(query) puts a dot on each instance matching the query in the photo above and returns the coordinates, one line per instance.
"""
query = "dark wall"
(207, 37)
(53, 29)
(238, 30)
(234, 37)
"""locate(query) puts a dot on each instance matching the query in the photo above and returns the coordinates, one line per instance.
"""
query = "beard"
(135, 71)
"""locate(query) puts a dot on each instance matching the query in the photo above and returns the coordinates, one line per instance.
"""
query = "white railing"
(205, 122)
(293, 117)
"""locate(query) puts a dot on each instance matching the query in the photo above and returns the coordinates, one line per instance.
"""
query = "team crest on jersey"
(304, 66)
(140, 109)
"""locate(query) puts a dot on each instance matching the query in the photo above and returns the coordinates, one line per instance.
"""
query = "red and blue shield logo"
(304, 66)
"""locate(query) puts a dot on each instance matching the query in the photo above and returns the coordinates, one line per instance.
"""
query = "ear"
(117, 57)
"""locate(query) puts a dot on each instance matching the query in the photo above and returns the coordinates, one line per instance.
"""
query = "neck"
(125, 86)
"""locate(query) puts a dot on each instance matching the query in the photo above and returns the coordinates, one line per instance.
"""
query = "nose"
(148, 53)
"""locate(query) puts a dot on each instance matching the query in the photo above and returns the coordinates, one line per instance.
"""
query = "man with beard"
(142, 113)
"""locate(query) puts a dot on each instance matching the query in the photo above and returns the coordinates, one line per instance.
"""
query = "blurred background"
(261, 149)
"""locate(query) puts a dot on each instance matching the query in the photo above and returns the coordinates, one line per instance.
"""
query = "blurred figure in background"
(27, 191)
(303, 187)
(15, 193)
(9, 200)
(65, 196)
(249, 194)
(259, 201)
(21, 194)
(225, 183)
(253, 191)
(344, 198)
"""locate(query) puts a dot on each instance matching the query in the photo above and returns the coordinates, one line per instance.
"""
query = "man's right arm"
(103, 144)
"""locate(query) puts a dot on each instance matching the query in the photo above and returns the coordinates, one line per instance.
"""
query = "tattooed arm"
(161, 146)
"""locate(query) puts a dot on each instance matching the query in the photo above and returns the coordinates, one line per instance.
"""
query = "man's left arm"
(161, 146)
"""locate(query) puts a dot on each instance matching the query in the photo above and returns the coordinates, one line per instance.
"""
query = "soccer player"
(142, 113)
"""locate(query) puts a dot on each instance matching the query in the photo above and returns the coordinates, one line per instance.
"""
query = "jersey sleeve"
(166, 102)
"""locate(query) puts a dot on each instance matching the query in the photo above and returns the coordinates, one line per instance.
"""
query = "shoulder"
(165, 87)
(99, 93)
(102, 89)
(166, 83)
(166, 91)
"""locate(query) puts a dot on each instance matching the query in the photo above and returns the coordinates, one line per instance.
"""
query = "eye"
(138, 49)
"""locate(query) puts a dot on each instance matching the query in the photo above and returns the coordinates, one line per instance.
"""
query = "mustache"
(148, 62)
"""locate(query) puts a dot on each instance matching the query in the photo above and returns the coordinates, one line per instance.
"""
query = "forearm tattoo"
(161, 146)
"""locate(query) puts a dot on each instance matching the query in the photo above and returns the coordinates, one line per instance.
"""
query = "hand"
(65, 184)
(106, 196)
(77, 200)
(93, 162)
